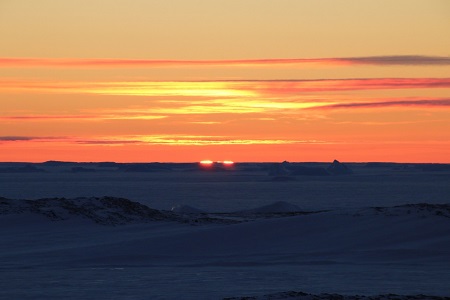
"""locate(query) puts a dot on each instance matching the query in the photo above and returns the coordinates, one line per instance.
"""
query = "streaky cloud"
(107, 142)
(405, 60)
(44, 117)
(191, 140)
(223, 88)
(26, 138)
(401, 60)
(59, 118)
(419, 102)
(16, 138)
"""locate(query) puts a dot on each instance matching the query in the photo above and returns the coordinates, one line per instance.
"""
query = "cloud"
(16, 138)
(405, 60)
(418, 60)
(286, 87)
(190, 140)
(26, 138)
(377, 104)
(222, 89)
(44, 117)
(69, 140)
(170, 140)
(99, 117)
(390, 123)
(107, 142)
(205, 122)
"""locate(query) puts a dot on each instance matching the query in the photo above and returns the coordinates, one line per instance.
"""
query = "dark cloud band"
(405, 103)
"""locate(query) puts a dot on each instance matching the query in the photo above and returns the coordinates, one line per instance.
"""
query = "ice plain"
(359, 234)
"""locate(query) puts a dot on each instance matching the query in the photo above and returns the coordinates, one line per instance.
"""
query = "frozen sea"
(347, 248)
(245, 187)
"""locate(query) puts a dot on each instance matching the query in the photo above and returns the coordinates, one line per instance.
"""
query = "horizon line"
(214, 161)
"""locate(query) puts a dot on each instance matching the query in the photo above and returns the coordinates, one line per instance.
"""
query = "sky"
(240, 80)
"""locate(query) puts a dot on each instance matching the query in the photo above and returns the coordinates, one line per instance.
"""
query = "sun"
(227, 163)
(206, 163)
(209, 163)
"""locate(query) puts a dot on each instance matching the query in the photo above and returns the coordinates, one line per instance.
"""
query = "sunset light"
(217, 165)
(253, 86)
(225, 149)
(206, 163)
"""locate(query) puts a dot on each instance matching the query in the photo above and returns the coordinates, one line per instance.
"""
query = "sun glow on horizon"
(206, 162)
(209, 163)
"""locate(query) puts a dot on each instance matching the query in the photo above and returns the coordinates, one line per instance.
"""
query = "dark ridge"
(107, 164)
(433, 167)
(55, 163)
(150, 167)
(326, 296)
(101, 210)
(28, 168)
(104, 210)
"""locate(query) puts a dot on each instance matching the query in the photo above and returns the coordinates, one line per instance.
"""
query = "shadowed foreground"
(71, 248)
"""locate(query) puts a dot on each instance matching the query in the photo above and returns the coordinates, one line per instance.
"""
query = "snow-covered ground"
(246, 187)
(114, 248)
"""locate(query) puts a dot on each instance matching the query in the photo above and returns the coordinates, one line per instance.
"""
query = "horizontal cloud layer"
(26, 138)
(404, 102)
(404, 60)
(173, 139)
(206, 111)
(16, 138)
(221, 89)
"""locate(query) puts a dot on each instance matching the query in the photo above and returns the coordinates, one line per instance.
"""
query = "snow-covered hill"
(103, 210)
(60, 244)
(119, 211)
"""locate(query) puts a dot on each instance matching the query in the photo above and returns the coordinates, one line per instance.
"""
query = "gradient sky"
(247, 80)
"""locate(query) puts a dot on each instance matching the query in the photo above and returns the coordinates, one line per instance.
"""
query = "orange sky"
(225, 80)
